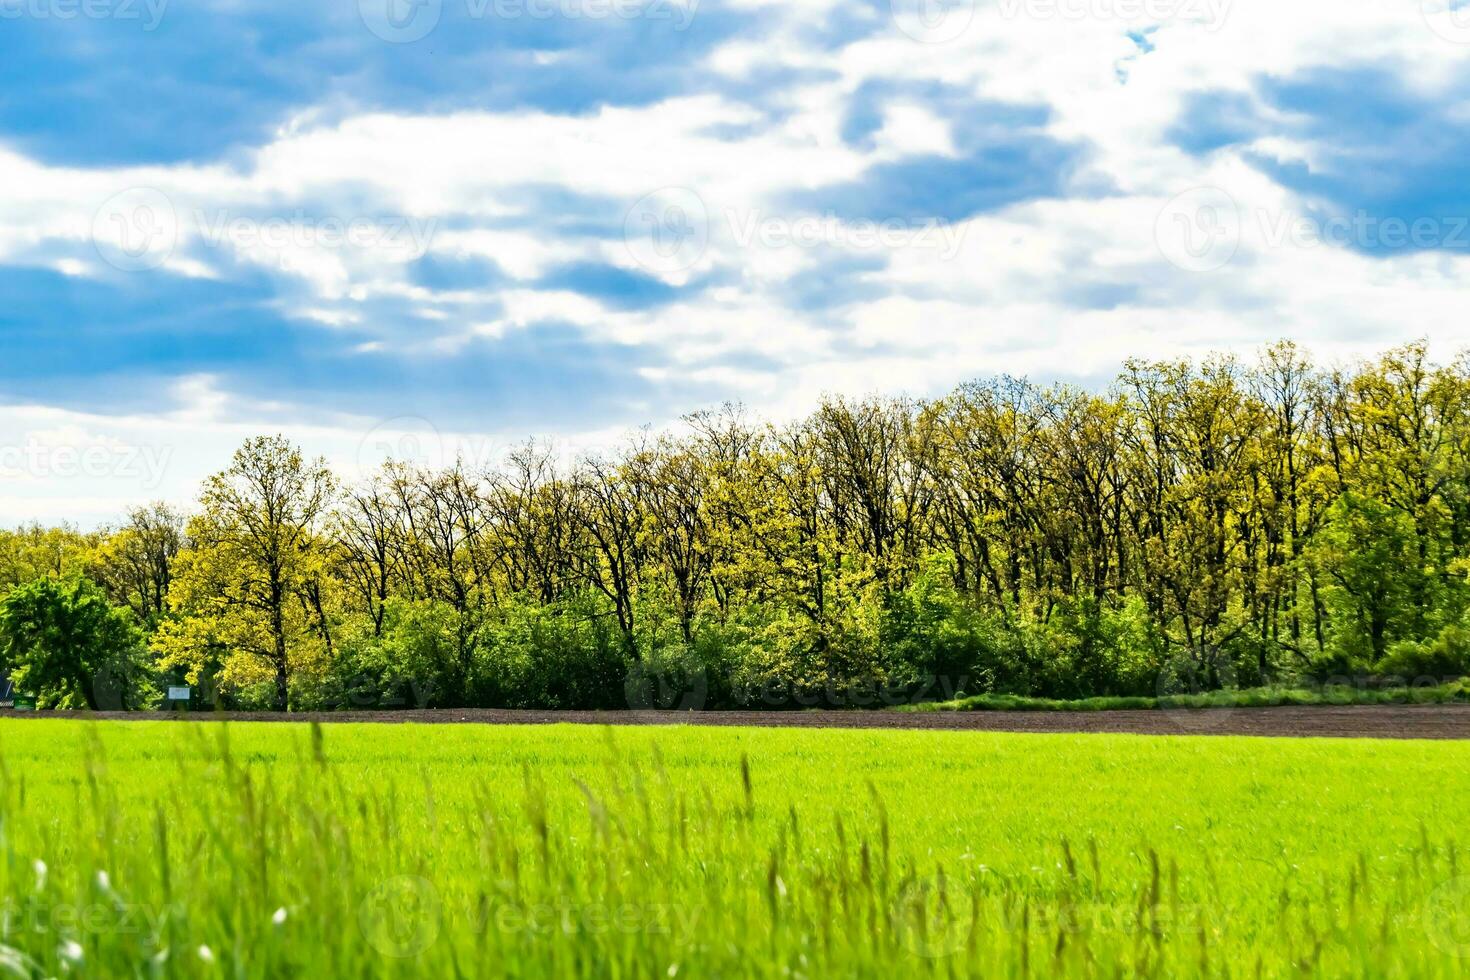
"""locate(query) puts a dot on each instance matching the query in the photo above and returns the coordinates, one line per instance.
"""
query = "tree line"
(1195, 525)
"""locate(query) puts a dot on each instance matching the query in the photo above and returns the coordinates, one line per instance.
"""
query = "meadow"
(169, 849)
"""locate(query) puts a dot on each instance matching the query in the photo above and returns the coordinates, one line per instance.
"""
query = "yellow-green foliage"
(195, 850)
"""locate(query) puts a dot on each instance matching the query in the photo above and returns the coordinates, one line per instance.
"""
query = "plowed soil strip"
(1361, 721)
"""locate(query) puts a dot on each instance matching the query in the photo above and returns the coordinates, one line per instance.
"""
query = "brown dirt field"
(1361, 721)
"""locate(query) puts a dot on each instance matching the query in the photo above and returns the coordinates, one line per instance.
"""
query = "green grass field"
(164, 849)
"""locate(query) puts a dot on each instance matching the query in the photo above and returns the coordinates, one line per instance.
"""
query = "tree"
(33, 551)
(368, 531)
(63, 642)
(673, 484)
(1213, 521)
(1366, 551)
(612, 515)
(252, 579)
(135, 564)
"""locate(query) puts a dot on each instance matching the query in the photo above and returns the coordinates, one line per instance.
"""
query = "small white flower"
(40, 867)
(104, 882)
(206, 954)
(71, 951)
(280, 917)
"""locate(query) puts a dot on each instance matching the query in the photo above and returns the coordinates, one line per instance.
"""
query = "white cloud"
(1052, 287)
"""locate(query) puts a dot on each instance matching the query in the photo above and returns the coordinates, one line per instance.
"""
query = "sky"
(430, 229)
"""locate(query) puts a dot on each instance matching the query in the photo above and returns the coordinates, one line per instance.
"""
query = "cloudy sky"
(436, 227)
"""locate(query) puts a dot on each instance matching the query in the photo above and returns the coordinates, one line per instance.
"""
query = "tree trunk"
(278, 627)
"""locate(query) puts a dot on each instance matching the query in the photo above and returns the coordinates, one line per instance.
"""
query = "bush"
(566, 655)
(929, 630)
(1445, 657)
(420, 660)
(63, 642)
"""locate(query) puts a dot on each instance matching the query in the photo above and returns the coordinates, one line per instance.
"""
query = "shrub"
(63, 642)
(1444, 657)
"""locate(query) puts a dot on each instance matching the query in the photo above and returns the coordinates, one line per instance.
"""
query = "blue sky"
(471, 221)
